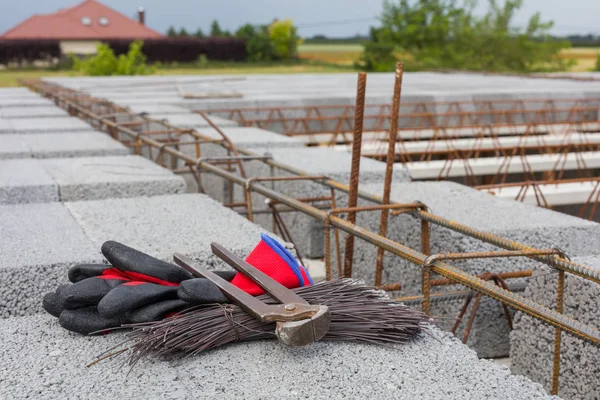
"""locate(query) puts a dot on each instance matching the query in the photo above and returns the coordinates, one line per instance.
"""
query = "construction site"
(470, 197)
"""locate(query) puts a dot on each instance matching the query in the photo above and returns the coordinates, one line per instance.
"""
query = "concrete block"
(526, 224)
(39, 243)
(92, 178)
(48, 125)
(532, 341)
(26, 181)
(25, 102)
(43, 361)
(80, 144)
(191, 120)
(32, 112)
(250, 138)
(6, 126)
(306, 232)
(159, 109)
(13, 146)
(163, 225)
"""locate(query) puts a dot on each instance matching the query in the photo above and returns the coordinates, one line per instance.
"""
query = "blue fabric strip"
(287, 257)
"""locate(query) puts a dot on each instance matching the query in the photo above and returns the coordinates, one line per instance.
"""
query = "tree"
(259, 46)
(171, 32)
(284, 36)
(183, 33)
(199, 33)
(215, 29)
(444, 34)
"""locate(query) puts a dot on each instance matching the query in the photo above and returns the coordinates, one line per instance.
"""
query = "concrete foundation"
(532, 341)
(59, 145)
(440, 368)
(526, 224)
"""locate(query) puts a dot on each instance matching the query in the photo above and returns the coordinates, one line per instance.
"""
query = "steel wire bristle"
(358, 313)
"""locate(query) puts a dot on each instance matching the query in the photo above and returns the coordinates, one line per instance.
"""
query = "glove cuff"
(270, 257)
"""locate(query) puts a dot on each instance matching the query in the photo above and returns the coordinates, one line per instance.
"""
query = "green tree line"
(277, 41)
(446, 34)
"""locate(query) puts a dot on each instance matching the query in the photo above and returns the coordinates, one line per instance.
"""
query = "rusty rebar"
(389, 168)
(355, 167)
(560, 296)
(503, 275)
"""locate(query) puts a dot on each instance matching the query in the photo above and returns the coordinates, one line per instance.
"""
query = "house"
(81, 27)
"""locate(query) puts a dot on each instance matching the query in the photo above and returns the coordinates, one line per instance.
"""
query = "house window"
(103, 21)
(87, 21)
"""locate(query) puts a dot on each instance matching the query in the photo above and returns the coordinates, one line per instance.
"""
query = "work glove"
(270, 257)
(134, 288)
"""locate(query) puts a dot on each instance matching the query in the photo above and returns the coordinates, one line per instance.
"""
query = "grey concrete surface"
(13, 146)
(251, 137)
(39, 243)
(272, 90)
(43, 125)
(79, 144)
(532, 341)
(43, 361)
(83, 178)
(526, 224)
(24, 101)
(191, 120)
(163, 225)
(32, 112)
(26, 181)
(91, 178)
(59, 145)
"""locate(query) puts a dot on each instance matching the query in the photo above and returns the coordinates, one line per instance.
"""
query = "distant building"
(80, 28)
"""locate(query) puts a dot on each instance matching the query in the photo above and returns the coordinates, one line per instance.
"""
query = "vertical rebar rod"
(426, 272)
(557, 332)
(336, 231)
(359, 114)
(389, 169)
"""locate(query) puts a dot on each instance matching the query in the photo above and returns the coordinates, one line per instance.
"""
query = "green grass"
(11, 77)
(330, 47)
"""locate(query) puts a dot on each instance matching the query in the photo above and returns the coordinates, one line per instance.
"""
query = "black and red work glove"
(270, 257)
(134, 288)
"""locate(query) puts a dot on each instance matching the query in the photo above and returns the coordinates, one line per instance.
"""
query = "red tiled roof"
(68, 23)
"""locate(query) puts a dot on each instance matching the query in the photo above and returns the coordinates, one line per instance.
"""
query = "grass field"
(342, 54)
(346, 54)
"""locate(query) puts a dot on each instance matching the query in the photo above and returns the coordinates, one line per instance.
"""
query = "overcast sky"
(312, 16)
